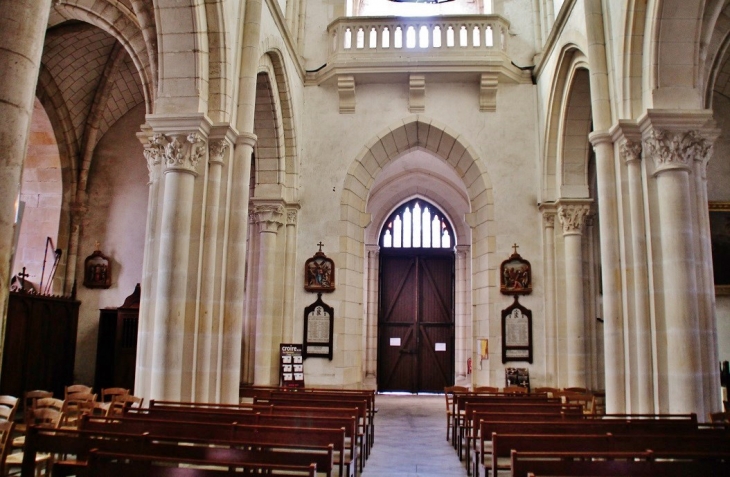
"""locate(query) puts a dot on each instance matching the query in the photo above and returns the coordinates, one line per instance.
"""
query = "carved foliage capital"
(572, 217)
(269, 217)
(548, 219)
(154, 151)
(217, 150)
(677, 150)
(291, 216)
(183, 153)
(630, 150)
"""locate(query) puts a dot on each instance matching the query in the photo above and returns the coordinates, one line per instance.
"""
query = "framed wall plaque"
(318, 329)
(516, 333)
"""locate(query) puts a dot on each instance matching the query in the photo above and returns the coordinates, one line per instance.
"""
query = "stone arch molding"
(570, 61)
(476, 261)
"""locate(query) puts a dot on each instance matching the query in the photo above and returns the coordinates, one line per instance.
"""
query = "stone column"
(613, 325)
(248, 356)
(371, 323)
(289, 274)
(551, 334)
(641, 324)
(269, 217)
(173, 336)
(207, 346)
(590, 290)
(23, 25)
(154, 152)
(572, 216)
(234, 260)
(462, 342)
(673, 153)
(708, 319)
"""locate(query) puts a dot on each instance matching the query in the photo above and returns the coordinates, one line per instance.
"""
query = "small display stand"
(291, 368)
(517, 377)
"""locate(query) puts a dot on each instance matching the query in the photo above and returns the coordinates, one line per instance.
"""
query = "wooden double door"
(416, 321)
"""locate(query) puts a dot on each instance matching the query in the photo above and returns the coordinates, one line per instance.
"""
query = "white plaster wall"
(505, 142)
(116, 217)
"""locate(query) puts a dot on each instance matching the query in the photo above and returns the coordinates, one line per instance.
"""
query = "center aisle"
(410, 439)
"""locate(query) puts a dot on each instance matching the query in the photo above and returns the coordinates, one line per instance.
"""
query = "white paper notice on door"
(440, 346)
(395, 342)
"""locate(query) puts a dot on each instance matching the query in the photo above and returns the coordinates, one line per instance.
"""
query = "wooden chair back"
(108, 394)
(6, 429)
(77, 388)
(29, 402)
(8, 406)
(123, 402)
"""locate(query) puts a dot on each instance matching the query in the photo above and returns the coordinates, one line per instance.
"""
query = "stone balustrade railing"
(395, 37)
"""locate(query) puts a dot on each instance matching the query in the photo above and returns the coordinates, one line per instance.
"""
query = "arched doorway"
(416, 305)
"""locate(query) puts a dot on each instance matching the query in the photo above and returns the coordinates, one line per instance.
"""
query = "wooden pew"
(462, 398)
(685, 423)
(278, 416)
(703, 441)
(472, 437)
(617, 464)
(265, 392)
(265, 435)
(294, 399)
(469, 430)
(109, 464)
(80, 444)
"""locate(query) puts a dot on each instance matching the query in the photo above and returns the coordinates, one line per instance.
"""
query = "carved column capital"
(183, 152)
(572, 217)
(291, 216)
(154, 151)
(549, 210)
(269, 217)
(676, 151)
(630, 151)
(217, 150)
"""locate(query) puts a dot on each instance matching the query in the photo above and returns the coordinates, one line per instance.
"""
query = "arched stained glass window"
(417, 224)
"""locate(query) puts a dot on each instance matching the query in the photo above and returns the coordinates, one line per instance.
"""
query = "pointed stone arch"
(415, 132)
(273, 48)
(570, 61)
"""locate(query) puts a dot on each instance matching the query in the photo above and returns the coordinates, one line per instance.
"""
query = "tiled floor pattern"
(410, 439)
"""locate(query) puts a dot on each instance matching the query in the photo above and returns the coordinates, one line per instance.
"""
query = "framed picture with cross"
(319, 272)
(515, 275)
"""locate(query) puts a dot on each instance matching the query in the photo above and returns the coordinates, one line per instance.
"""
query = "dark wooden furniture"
(116, 349)
(40, 343)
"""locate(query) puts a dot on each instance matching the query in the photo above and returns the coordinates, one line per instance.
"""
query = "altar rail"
(383, 37)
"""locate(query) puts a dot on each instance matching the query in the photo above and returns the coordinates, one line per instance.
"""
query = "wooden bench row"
(635, 464)
(574, 433)
(124, 453)
(251, 433)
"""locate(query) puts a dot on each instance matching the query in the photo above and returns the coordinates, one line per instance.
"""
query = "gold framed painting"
(720, 237)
